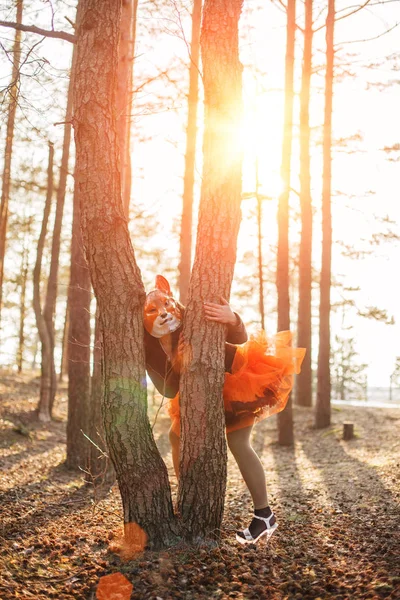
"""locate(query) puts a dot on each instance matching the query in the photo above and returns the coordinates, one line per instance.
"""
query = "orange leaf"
(131, 543)
(114, 587)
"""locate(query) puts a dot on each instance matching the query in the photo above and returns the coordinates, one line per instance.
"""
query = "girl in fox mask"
(257, 384)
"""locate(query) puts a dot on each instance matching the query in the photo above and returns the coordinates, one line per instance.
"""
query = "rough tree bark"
(203, 449)
(304, 379)
(285, 418)
(323, 406)
(44, 408)
(190, 157)
(99, 468)
(79, 295)
(78, 346)
(141, 473)
(51, 295)
(5, 191)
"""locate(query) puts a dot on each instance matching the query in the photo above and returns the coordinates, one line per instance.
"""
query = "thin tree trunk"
(190, 157)
(22, 312)
(304, 379)
(5, 192)
(99, 470)
(35, 353)
(79, 296)
(44, 408)
(124, 94)
(203, 449)
(285, 418)
(260, 255)
(323, 407)
(51, 296)
(64, 355)
(96, 432)
(142, 475)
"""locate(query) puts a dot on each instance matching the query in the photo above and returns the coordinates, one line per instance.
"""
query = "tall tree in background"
(124, 95)
(79, 295)
(45, 404)
(5, 191)
(52, 282)
(98, 469)
(190, 157)
(259, 201)
(203, 448)
(304, 379)
(79, 334)
(64, 346)
(285, 418)
(22, 278)
(323, 406)
(141, 473)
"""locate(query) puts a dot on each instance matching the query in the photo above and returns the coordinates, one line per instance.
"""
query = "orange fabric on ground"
(260, 383)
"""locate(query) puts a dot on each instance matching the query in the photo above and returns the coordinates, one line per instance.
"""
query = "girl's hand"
(221, 313)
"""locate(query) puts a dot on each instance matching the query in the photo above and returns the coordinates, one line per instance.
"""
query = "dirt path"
(337, 505)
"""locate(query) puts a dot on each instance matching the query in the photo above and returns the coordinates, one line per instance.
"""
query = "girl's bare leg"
(249, 464)
(253, 473)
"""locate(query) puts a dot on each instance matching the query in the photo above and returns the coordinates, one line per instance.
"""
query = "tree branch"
(62, 35)
(352, 12)
(371, 38)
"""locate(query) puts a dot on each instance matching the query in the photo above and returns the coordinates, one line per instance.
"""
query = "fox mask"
(162, 315)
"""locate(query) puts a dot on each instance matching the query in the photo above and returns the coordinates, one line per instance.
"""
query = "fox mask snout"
(161, 312)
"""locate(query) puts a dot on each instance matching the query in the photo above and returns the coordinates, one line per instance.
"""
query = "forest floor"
(337, 504)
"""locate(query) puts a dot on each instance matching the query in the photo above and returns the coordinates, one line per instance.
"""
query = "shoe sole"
(268, 532)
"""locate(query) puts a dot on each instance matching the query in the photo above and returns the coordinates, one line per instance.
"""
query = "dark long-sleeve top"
(162, 372)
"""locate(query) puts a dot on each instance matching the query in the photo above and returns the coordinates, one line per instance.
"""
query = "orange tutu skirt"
(260, 383)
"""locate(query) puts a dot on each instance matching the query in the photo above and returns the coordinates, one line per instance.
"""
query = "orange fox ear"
(162, 284)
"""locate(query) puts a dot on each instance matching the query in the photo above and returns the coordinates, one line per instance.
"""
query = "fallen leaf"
(114, 587)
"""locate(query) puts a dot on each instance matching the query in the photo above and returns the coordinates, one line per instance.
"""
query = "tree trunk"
(51, 295)
(78, 348)
(96, 429)
(124, 94)
(100, 470)
(304, 379)
(64, 355)
(285, 418)
(141, 473)
(190, 157)
(5, 193)
(323, 407)
(203, 448)
(44, 408)
(260, 255)
(22, 312)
